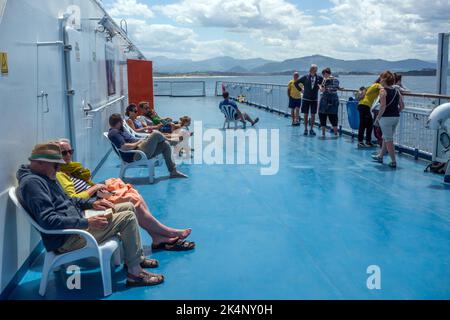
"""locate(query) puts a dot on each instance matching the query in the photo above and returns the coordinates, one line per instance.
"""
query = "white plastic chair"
(230, 116)
(142, 162)
(135, 134)
(103, 252)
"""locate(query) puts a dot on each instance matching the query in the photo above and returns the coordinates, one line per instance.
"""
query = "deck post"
(442, 64)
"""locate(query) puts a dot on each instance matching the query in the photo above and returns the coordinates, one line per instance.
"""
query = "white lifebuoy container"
(438, 116)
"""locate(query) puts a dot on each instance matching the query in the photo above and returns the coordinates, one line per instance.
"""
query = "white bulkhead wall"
(38, 70)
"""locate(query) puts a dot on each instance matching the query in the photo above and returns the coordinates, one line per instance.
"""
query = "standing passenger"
(295, 99)
(391, 105)
(398, 83)
(329, 102)
(311, 84)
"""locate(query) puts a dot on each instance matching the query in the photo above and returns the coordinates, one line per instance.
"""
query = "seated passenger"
(153, 145)
(76, 182)
(242, 116)
(137, 123)
(52, 209)
(143, 109)
(184, 148)
(166, 125)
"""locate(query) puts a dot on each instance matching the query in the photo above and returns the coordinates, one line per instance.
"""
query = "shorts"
(332, 117)
(308, 105)
(294, 103)
(388, 126)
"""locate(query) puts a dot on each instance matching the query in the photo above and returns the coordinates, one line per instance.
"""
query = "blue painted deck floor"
(309, 232)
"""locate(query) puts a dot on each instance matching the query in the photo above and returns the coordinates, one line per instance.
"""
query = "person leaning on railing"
(391, 101)
(365, 117)
(76, 182)
(52, 209)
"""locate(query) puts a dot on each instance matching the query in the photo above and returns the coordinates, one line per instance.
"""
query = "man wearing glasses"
(52, 209)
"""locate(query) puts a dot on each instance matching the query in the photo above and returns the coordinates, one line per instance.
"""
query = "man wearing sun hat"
(52, 209)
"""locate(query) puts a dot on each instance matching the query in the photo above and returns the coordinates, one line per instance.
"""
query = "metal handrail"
(412, 135)
(107, 104)
(406, 93)
(411, 94)
(186, 83)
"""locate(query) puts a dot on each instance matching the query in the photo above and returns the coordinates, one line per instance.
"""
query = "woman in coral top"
(76, 182)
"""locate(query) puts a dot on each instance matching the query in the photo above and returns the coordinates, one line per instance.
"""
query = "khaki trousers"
(155, 144)
(124, 222)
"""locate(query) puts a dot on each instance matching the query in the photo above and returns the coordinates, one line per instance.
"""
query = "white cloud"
(161, 38)
(176, 42)
(222, 47)
(130, 8)
(237, 14)
(278, 29)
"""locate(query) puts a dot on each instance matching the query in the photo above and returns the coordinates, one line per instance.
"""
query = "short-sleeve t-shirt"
(294, 93)
(119, 138)
(228, 103)
(371, 95)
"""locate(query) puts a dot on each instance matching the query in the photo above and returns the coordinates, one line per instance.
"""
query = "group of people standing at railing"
(384, 95)
(303, 94)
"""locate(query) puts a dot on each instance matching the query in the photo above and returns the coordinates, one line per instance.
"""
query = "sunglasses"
(66, 152)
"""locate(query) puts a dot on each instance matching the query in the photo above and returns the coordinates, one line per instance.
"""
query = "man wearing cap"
(52, 209)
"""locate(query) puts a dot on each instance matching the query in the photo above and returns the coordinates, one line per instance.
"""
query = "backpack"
(437, 167)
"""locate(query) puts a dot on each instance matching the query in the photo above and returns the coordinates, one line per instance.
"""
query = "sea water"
(420, 84)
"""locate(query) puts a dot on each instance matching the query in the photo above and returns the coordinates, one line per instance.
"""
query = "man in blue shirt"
(242, 116)
(153, 145)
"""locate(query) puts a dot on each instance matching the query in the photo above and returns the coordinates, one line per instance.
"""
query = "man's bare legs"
(245, 117)
(293, 116)
(313, 120)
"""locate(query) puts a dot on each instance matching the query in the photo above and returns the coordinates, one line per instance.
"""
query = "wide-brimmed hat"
(47, 152)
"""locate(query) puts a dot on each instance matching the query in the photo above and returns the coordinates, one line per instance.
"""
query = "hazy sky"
(283, 29)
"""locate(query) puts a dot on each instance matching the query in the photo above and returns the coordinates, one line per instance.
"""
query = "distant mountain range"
(219, 64)
(242, 66)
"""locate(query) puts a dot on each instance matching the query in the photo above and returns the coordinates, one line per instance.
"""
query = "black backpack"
(436, 167)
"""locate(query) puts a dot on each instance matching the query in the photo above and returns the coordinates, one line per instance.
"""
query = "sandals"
(147, 263)
(150, 263)
(377, 158)
(144, 279)
(180, 245)
(393, 165)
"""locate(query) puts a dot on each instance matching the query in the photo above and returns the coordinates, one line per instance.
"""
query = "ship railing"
(166, 88)
(412, 136)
